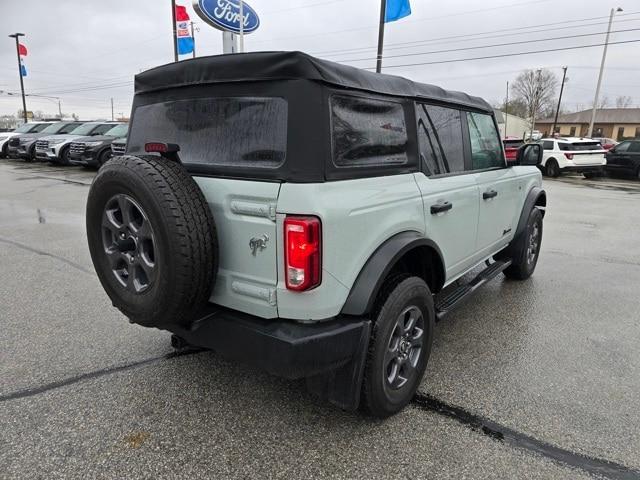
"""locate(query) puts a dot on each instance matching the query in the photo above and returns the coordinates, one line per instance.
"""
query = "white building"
(515, 126)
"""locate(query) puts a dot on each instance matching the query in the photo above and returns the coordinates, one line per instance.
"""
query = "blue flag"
(23, 70)
(185, 45)
(397, 9)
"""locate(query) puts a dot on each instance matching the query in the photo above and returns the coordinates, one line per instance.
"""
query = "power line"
(465, 37)
(505, 55)
(405, 21)
(506, 44)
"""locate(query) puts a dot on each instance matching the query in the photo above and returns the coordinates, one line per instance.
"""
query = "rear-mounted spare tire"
(152, 240)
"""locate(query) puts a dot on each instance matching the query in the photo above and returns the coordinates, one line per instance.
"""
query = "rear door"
(449, 193)
(497, 185)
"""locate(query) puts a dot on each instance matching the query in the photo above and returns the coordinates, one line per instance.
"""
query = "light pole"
(24, 102)
(604, 57)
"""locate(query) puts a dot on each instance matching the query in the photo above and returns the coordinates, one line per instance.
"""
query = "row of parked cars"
(89, 144)
(589, 156)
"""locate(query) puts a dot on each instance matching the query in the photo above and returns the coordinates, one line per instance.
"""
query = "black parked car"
(24, 146)
(625, 158)
(95, 151)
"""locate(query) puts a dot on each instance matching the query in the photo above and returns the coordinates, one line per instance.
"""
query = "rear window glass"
(367, 132)
(577, 147)
(226, 131)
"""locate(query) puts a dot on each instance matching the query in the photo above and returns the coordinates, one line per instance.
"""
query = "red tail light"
(569, 156)
(302, 252)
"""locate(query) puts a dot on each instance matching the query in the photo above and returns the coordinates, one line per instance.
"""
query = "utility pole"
(60, 109)
(604, 56)
(555, 120)
(193, 36)
(506, 110)
(24, 102)
(112, 109)
(383, 11)
(173, 29)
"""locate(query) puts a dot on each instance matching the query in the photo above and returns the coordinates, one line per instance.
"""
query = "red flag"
(181, 14)
(22, 50)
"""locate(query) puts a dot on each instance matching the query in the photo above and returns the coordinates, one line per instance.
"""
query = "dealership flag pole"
(173, 29)
(241, 26)
(383, 10)
(21, 73)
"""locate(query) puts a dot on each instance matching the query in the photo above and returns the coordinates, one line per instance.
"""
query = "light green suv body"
(309, 217)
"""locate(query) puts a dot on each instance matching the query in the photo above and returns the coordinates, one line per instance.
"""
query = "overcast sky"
(87, 51)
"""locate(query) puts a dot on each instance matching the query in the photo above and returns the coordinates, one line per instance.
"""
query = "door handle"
(489, 194)
(441, 207)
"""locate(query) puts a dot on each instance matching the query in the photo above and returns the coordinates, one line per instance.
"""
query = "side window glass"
(368, 132)
(634, 147)
(486, 151)
(447, 130)
(622, 147)
(431, 154)
(547, 145)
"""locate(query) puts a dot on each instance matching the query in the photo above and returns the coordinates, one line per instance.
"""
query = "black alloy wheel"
(128, 241)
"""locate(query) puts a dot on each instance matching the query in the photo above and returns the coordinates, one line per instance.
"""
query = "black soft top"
(273, 66)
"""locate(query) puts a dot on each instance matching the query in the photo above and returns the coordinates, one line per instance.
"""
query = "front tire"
(527, 248)
(64, 156)
(552, 169)
(400, 346)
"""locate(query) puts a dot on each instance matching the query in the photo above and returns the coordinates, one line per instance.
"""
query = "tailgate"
(588, 158)
(245, 217)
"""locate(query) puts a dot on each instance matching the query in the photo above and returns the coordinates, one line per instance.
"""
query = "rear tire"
(552, 169)
(400, 346)
(527, 249)
(152, 240)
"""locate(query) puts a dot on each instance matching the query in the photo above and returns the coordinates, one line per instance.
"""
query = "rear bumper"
(583, 168)
(330, 354)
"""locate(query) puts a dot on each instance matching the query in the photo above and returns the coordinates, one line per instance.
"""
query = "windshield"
(54, 127)
(31, 127)
(84, 129)
(119, 131)
(579, 147)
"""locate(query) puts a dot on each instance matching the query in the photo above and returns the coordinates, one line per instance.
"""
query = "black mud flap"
(330, 354)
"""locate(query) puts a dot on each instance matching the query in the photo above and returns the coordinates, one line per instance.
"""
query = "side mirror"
(529, 154)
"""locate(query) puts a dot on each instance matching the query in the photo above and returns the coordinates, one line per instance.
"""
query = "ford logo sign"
(225, 15)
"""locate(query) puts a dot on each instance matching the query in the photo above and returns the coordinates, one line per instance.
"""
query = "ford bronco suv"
(309, 217)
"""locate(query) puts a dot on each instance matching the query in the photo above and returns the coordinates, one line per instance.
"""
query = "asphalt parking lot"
(539, 379)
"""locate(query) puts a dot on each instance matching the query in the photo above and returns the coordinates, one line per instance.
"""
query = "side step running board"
(448, 302)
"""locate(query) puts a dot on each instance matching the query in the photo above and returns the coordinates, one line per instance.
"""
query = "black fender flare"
(536, 197)
(369, 281)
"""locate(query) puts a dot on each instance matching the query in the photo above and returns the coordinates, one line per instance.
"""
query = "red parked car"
(607, 143)
(511, 146)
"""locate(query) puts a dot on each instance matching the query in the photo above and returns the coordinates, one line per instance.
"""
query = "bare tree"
(623, 101)
(603, 102)
(536, 89)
